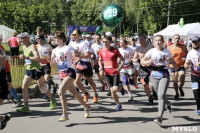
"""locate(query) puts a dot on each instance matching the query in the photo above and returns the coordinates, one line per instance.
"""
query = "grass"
(7, 49)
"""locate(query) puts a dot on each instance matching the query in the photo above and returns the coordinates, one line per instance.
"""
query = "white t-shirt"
(44, 50)
(127, 54)
(95, 49)
(194, 57)
(134, 48)
(159, 57)
(64, 55)
(82, 47)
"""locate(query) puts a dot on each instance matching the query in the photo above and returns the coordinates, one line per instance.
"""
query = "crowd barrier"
(17, 70)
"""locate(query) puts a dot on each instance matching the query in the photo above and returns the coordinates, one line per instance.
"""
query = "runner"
(45, 51)
(127, 71)
(179, 52)
(193, 58)
(62, 55)
(158, 58)
(12, 90)
(95, 48)
(84, 67)
(109, 56)
(3, 88)
(33, 67)
(144, 71)
(133, 46)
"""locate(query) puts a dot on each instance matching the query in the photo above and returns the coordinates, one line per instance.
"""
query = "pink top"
(13, 41)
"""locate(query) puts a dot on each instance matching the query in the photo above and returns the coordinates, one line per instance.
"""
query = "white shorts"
(128, 71)
(136, 66)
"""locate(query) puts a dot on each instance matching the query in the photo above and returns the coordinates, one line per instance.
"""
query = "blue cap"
(195, 39)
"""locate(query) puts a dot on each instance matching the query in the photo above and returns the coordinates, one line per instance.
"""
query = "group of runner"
(116, 66)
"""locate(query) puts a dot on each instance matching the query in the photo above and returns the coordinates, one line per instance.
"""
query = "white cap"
(88, 35)
(83, 35)
(108, 34)
(25, 34)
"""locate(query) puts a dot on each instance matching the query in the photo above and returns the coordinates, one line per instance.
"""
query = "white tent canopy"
(6, 33)
(186, 32)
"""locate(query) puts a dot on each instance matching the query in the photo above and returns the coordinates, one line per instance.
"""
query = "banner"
(88, 29)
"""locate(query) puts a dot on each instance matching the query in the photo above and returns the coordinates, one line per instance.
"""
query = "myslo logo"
(185, 128)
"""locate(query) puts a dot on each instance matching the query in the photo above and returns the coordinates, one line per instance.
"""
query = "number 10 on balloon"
(110, 13)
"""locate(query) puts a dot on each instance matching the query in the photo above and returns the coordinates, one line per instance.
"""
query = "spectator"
(169, 42)
(13, 43)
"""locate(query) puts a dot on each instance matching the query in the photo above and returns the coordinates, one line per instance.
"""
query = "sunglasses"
(105, 41)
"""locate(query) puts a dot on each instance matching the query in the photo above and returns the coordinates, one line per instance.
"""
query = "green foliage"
(149, 16)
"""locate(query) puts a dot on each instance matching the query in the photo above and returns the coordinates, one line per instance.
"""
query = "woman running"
(62, 55)
(158, 58)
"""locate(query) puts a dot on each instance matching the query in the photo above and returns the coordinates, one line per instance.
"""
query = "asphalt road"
(136, 116)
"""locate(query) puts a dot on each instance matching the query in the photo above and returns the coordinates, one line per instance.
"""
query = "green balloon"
(99, 30)
(112, 15)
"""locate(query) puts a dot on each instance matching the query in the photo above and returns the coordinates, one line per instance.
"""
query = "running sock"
(130, 94)
(48, 85)
(86, 93)
(14, 93)
(26, 104)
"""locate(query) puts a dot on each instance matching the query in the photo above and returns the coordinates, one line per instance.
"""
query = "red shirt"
(14, 42)
(7, 65)
(170, 43)
(110, 60)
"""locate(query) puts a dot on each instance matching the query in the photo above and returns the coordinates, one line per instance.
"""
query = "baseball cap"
(83, 35)
(88, 35)
(108, 34)
(25, 34)
(195, 39)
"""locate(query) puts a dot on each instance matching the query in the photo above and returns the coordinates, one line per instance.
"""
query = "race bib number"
(62, 66)
(195, 86)
(157, 74)
(108, 64)
(28, 62)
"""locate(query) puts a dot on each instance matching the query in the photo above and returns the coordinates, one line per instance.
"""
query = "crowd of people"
(118, 65)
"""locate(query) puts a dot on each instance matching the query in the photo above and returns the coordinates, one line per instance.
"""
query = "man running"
(45, 51)
(179, 52)
(133, 46)
(193, 57)
(84, 67)
(127, 71)
(144, 71)
(3, 88)
(95, 48)
(109, 56)
(33, 71)
(12, 90)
